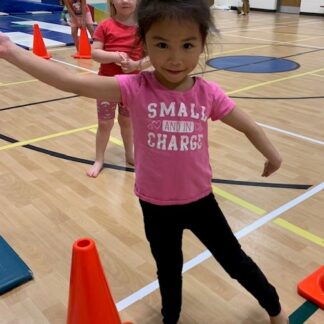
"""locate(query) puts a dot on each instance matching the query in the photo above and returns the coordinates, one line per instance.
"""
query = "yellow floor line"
(111, 138)
(39, 139)
(274, 81)
(237, 50)
(238, 201)
(32, 80)
(299, 231)
(319, 75)
(116, 141)
(18, 82)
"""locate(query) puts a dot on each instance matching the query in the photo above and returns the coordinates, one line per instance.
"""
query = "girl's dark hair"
(151, 11)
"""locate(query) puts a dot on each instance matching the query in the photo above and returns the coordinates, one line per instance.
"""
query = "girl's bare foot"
(130, 159)
(281, 318)
(95, 169)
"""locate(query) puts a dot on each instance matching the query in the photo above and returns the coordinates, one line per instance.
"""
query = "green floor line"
(303, 313)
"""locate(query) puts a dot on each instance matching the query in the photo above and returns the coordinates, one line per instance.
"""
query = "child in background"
(80, 16)
(169, 110)
(65, 17)
(117, 47)
(244, 7)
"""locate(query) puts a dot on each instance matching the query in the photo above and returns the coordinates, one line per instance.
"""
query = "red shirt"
(117, 37)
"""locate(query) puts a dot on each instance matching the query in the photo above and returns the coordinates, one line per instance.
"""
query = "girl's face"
(124, 7)
(174, 48)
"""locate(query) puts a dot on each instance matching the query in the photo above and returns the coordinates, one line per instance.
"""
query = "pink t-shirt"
(171, 136)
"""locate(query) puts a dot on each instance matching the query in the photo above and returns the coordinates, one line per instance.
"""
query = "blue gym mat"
(13, 270)
(19, 28)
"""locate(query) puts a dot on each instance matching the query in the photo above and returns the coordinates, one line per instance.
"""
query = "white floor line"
(296, 43)
(145, 291)
(290, 22)
(267, 27)
(74, 66)
(292, 134)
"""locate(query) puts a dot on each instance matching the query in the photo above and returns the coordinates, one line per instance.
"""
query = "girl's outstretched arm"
(243, 123)
(92, 86)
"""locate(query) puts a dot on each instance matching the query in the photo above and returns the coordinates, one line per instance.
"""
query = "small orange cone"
(90, 300)
(312, 287)
(38, 43)
(84, 46)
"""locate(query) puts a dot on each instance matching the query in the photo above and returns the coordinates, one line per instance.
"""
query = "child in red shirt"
(119, 51)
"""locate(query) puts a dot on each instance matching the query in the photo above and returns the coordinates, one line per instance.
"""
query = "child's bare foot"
(130, 159)
(281, 318)
(95, 169)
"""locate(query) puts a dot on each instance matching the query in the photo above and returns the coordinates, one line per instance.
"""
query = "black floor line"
(38, 103)
(129, 169)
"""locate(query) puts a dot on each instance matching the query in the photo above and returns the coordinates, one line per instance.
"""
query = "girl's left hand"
(270, 167)
(128, 65)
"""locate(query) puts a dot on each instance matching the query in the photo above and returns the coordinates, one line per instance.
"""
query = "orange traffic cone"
(38, 44)
(312, 287)
(84, 46)
(90, 300)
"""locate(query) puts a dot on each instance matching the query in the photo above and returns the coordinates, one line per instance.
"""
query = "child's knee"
(106, 124)
(124, 121)
(74, 32)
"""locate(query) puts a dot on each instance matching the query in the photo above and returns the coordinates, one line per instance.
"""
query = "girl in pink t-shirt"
(117, 47)
(169, 110)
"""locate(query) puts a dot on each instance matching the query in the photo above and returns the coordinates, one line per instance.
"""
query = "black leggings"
(164, 226)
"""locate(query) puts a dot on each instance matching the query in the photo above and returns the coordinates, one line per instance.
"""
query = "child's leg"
(126, 131)
(74, 33)
(164, 233)
(246, 6)
(213, 230)
(90, 29)
(106, 115)
(281, 318)
(89, 22)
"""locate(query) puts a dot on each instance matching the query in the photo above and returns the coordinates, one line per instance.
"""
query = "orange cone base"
(312, 287)
(84, 48)
(48, 56)
(80, 56)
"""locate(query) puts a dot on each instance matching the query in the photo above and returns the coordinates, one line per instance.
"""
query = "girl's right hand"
(271, 167)
(122, 57)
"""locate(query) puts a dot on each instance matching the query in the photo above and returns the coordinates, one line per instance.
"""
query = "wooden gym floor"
(47, 201)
